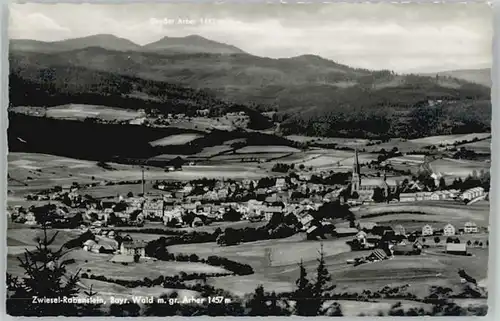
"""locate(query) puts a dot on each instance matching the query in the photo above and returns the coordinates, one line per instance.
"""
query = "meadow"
(449, 139)
(179, 139)
(80, 112)
(435, 211)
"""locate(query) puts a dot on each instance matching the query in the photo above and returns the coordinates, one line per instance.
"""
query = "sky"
(399, 37)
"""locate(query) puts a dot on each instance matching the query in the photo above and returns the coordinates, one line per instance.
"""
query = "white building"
(470, 227)
(472, 193)
(449, 230)
(427, 230)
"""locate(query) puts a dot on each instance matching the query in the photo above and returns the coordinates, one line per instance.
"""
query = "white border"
(493, 281)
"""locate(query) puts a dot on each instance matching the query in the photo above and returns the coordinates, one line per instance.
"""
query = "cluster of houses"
(370, 236)
(466, 196)
(124, 248)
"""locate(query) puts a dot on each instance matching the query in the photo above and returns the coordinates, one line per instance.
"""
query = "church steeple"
(356, 174)
(356, 167)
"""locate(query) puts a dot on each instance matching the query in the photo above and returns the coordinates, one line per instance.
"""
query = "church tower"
(356, 175)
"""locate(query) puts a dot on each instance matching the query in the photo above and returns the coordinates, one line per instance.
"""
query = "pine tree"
(304, 294)
(258, 303)
(322, 286)
(46, 277)
(91, 309)
(322, 276)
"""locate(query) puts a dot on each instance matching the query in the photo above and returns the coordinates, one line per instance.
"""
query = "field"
(180, 139)
(78, 111)
(31, 172)
(267, 149)
(208, 124)
(449, 139)
(347, 142)
(434, 211)
(483, 146)
(458, 167)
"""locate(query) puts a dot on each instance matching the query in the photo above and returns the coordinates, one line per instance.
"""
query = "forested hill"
(311, 95)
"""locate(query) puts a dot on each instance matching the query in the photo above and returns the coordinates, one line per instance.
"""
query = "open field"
(449, 139)
(82, 111)
(483, 146)
(458, 167)
(438, 211)
(208, 124)
(267, 149)
(30, 172)
(236, 158)
(348, 142)
(446, 166)
(100, 265)
(180, 139)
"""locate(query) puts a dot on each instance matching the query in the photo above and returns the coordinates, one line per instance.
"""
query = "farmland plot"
(449, 139)
(79, 111)
(180, 139)
(267, 149)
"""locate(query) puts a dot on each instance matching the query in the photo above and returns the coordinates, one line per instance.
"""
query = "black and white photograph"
(183, 159)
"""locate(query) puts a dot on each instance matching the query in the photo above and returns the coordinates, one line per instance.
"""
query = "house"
(436, 196)
(427, 230)
(153, 208)
(306, 220)
(106, 248)
(197, 222)
(361, 236)
(399, 230)
(88, 245)
(346, 231)
(470, 227)
(456, 248)
(448, 230)
(280, 183)
(133, 248)
(377, 255)
(472, 193)
(407, 197)
(366, 226)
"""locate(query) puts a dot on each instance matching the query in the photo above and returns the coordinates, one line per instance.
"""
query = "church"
(364, 186)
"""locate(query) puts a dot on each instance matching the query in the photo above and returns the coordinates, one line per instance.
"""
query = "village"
(186, 206)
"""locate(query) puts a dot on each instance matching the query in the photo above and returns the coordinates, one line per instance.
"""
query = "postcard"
(183, 159)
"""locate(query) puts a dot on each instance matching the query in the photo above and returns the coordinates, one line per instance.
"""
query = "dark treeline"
(417, 119)
(111, 142)
(83, 140)
(56, 86)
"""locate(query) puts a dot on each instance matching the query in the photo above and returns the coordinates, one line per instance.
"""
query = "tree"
(469, 243)
(378, 195)
(303, 293)
(232, 215)
(442, 183)
(321, 285)
(91, 309)
(130, 194)
(258, 303)
(437, 240)
(46, 276)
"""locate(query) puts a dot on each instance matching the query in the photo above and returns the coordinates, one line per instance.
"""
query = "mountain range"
(312, 95)
(478, 76)
(189, 44)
